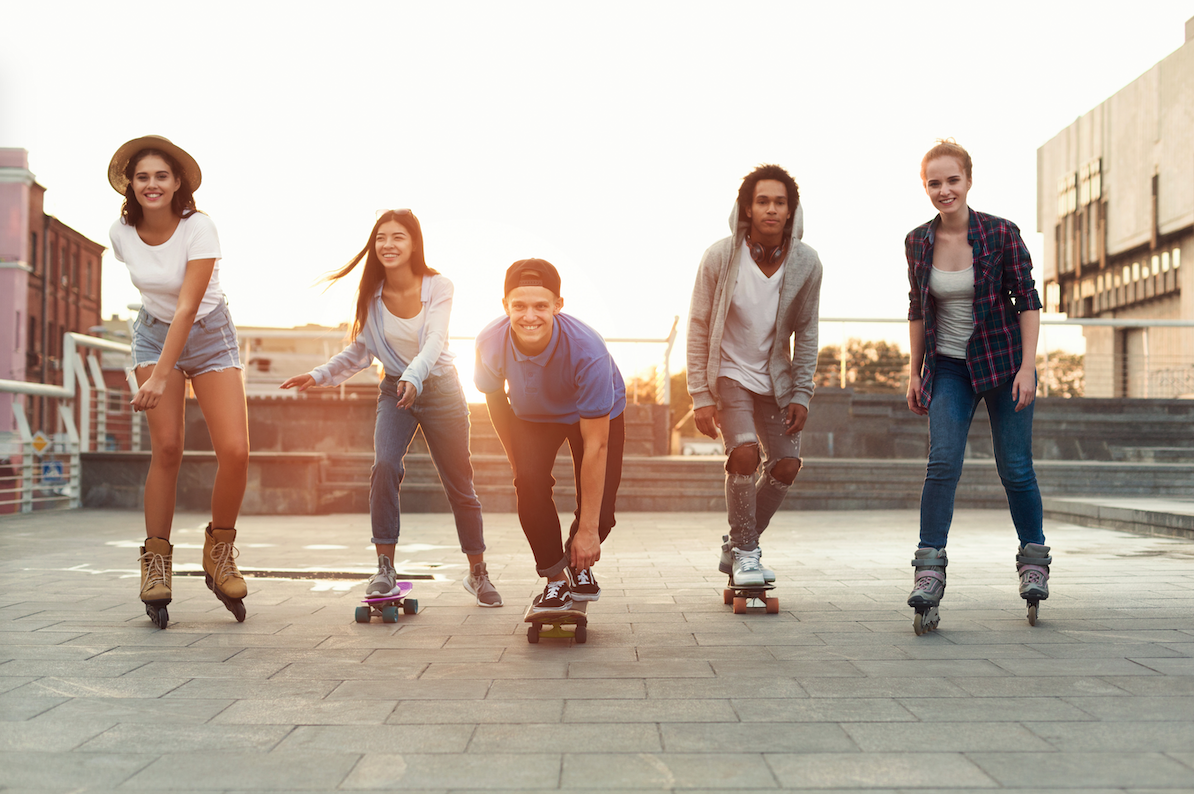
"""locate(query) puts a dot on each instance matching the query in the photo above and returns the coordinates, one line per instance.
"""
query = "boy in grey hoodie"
(752, 354)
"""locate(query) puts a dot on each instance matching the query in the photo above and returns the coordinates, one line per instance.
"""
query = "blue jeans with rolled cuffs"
(950, 413)
(441, 411)
(211, 344)
(749, 418)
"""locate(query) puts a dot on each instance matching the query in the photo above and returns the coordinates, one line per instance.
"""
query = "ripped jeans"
(749, 418)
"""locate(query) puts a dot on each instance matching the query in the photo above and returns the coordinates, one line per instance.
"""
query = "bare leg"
(386, 549)
(222, 398)
(166, 430)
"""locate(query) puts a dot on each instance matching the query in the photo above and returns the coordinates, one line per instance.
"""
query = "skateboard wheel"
(772, 606)
(727, 597)
(532, 634)
(739, 605)
(582, 634)
(1031, 615)
(389, 614)
(362, 615)
(238, 611)
(410, 606)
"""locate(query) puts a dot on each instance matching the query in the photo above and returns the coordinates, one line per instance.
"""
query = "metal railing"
(1142, 371)
(45, 469)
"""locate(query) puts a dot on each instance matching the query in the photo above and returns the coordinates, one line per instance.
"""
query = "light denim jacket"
(434, 356)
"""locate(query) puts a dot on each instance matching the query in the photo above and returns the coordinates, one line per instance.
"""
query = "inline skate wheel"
(238, 611)
(1032, 608)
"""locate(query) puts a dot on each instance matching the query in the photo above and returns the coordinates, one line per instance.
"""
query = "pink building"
(49, 284)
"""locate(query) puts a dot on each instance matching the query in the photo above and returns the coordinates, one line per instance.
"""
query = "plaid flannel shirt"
(1003, 287)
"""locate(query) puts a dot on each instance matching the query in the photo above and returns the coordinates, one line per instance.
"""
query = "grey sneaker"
(385, 581)
(726, 564)
(477, 583)
(747, 572)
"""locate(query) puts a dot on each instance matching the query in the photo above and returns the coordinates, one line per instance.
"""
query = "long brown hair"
(183, 202)
(374, 272)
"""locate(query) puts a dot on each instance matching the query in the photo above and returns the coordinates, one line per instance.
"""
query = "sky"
(607, 138)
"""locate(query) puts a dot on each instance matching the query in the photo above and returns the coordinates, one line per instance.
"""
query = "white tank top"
(403, 334)
(953, 291)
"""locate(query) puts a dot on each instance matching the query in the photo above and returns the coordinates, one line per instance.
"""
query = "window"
(64, 267)
(1127, 273)
(1165, 262)
(32, 338)
(89, 291)
(1119, 283)
(1177, 258)
(74, 269)
(1156, 265)
(33, 258)
(16, 336)
(1099, 283)
(1135, 271)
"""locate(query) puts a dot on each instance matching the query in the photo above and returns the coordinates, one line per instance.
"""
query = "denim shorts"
(211, 345)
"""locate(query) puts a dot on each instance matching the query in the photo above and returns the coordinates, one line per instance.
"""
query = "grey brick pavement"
(672, 691)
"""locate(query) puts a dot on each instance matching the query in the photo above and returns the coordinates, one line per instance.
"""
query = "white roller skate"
(928, 587)
(1032, 564)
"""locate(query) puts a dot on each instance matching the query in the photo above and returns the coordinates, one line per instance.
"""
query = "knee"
(388, 471)
(743, 459)
(168, 453)
(786, 470)
(234, 456)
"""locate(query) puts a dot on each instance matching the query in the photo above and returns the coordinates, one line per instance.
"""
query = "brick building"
(50, 278)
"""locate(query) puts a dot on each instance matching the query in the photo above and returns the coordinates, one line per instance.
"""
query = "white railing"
(1136, 367)
(45, 469)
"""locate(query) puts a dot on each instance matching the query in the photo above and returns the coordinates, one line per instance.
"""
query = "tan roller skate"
(220, 571)
(156, 572)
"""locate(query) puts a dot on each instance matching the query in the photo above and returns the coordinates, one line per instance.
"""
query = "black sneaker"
(584, 585)
(556, 597)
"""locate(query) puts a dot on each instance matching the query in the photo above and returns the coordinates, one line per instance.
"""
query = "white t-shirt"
(750, 326)
(953, 292)
(158, 270)
(403, 333)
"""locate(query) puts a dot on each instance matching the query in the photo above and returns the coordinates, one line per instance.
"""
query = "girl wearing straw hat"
(182, 332)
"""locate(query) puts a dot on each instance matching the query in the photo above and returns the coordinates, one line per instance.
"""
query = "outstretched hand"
(302, 382)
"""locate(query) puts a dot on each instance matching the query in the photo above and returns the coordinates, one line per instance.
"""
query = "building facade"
(1115, 203)
(50, 278)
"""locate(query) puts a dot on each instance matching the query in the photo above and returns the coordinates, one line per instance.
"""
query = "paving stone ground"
(672, 691)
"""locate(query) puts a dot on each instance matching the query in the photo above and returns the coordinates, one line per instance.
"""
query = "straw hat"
(128, 150)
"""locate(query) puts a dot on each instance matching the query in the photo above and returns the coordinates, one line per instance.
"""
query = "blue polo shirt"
(574, 377)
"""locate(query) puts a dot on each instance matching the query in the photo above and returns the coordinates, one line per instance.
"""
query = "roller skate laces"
(220, 571)
(156, 570)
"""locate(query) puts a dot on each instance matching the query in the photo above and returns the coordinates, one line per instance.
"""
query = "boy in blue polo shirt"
(563, 384)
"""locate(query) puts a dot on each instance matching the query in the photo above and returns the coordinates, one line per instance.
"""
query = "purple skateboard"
(386, 607)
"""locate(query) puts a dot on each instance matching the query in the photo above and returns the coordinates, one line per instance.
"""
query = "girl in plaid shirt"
(974, 318)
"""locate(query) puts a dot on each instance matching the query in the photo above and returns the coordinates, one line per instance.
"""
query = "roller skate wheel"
(918, 624)
(727, 597)
(739, 605)
(772, 606)
(238, 611)
(389, 614)
(362, 614)
(1032, 608)
(410, 606)
(532, 634)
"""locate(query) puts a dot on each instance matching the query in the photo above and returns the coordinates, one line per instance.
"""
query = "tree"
(1065, 376)
(872, 367)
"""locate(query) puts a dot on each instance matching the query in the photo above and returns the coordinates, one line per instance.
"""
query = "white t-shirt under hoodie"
(403, 333)
(158, 270)
(750, 326)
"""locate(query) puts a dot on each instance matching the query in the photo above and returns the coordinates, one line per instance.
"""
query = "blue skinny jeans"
(442, 413)
(950, 413)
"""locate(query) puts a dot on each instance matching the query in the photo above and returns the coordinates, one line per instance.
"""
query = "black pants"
(531, 448)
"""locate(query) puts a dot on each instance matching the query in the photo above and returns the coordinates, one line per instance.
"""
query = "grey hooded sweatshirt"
(792, 366)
